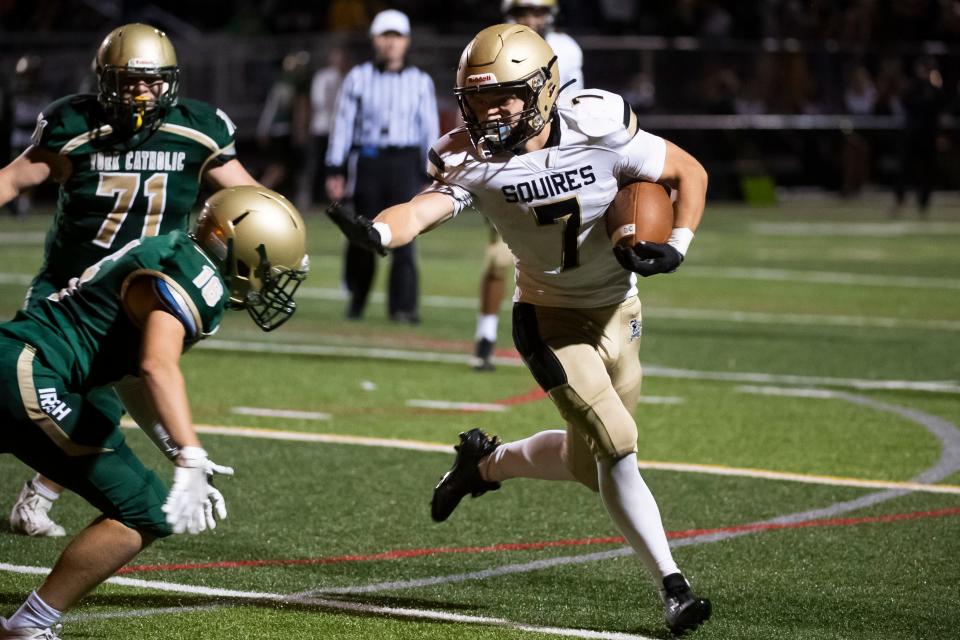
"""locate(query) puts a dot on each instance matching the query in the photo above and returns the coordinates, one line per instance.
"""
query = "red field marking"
(532, 396)
(526, 546)
(385, 555)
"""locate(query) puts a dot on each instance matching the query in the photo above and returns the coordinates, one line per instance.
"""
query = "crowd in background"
(847, 21)
(862, 58)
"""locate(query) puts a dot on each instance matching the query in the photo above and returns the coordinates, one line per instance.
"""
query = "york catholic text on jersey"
(123, 189)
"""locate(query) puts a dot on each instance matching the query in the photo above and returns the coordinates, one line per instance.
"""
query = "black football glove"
(357, 229)
(648, 258)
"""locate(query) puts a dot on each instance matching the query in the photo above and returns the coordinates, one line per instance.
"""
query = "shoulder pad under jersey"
(208, 124)
(599, 114)
(451, 150)
(66, 120)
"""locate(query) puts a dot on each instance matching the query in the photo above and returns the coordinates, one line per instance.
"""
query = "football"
(641, 211)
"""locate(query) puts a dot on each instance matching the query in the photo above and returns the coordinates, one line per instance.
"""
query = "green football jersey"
(125, 188)
(89, 333)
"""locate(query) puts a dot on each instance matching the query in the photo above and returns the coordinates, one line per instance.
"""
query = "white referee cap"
(390, 20)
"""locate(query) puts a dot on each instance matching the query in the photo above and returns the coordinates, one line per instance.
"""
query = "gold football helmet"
(257, 238)
(508, 57)
(127, 55)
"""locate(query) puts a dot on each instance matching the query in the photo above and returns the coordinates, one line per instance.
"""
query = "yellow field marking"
(721, 470)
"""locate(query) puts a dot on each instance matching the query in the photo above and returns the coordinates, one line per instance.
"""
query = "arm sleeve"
(462, 199)
(51, 132)
(225, 135)
(341, 131)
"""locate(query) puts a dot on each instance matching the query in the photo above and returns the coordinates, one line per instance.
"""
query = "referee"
(386, 118)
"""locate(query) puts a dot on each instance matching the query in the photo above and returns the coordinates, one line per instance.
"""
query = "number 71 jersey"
(549, 204)
(125, 188)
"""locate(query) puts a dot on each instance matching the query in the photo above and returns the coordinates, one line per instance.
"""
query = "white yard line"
(801, 319)
(719, 315)
(336, 605)
(279, 413)
(661, 400)
(457, 406)
(19, 279)
(938, 386)
(22, 237)
(451, 302)
(890, 229)
(821, 277)
(719, 470)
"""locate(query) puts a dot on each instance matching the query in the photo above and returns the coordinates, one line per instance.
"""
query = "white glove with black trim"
(193, 500)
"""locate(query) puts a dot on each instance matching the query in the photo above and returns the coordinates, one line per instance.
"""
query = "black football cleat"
(464, 476)
(684, 610)
(483, 356)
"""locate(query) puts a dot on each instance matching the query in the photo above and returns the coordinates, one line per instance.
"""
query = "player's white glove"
(193, 500)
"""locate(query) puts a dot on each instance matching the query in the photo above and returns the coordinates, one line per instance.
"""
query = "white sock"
(542, 456)
(487, 327)
(634, 511)
(43, 489)
(34, 613)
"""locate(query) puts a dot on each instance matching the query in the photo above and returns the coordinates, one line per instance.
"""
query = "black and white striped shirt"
(377, 108)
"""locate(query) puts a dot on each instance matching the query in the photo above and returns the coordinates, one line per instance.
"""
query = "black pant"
(390, 177)
(918, 166)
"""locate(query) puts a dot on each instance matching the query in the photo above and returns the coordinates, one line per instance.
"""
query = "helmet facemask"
(135, 113)
(256, 239)
(269, 292)
(129, 55)
(507, 134)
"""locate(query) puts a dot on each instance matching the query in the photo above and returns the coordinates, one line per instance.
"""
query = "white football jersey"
(549, 205)
(569, 59)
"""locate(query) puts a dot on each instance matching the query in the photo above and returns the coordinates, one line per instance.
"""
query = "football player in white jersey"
(544, 171)
(539, 15)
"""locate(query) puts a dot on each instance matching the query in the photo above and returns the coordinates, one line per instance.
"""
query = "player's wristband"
(385, 234)
(680, 239)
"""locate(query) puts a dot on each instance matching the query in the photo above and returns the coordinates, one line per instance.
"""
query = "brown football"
(641, 211)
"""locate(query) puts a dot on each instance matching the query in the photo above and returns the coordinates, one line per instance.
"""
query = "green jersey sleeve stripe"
(84, 138)
(192, 134)
(216, 154)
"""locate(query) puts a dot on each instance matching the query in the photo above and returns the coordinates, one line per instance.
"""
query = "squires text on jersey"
(549, 186)
(138, 161)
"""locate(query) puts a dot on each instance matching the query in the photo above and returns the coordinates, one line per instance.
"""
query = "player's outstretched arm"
(408, 220)
(31, 168)
(396, 225)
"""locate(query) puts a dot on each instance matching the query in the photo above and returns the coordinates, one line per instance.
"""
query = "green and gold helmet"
(508, 57)
(133, 53)
(257, 238)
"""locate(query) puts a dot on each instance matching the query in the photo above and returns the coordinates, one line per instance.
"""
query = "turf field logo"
(51, 404)
(635, 329)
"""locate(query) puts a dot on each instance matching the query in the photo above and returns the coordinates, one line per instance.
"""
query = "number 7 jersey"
(549, 204)
(125, 188)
